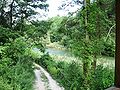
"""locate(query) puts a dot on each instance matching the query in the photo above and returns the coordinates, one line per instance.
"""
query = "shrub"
(102, 78)
(16, 66)
(70, 76)
(53, 70)
(109, 48)
(45, 60)
(4, 85)
(21, 78)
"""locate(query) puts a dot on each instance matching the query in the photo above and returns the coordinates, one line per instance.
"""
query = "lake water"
(53, 51)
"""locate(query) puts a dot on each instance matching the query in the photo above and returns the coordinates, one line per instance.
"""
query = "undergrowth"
(16, 66)
(70, 75)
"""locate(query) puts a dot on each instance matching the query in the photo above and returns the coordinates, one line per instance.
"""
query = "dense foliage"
(13, 68)
(88, 34)
(17, 42)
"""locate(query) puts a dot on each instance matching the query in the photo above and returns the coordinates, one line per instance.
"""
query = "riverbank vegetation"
(85, 35)
(71, 77)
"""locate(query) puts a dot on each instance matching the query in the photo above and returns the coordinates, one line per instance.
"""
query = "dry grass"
(101, 60)
(56, 45)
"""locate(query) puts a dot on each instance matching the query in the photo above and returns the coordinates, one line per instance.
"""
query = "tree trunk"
(117, 55)
(94, 63)
(86, 66)
(11, 14)
(97, 37)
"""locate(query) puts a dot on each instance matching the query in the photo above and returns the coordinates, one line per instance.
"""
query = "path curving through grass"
(44, 81)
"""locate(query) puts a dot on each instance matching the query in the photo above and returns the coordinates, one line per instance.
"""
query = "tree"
(19, 10)
(14, 14)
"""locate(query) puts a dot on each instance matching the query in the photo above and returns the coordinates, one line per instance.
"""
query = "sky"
(53, 9)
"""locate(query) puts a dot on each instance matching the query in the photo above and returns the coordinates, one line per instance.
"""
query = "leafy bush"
(16, 66)
(6, 35)
(109, 48)
(45, 60)
(15, 50)
(55, 38)
(21, 77)
(70, 76)
(53, 70)
(102, 78)
(18, 77)
(4, 85)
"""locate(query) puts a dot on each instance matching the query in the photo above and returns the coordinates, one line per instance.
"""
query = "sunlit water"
(53, 51)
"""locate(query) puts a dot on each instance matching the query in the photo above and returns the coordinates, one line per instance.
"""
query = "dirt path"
(39, 84)
(44, 81)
